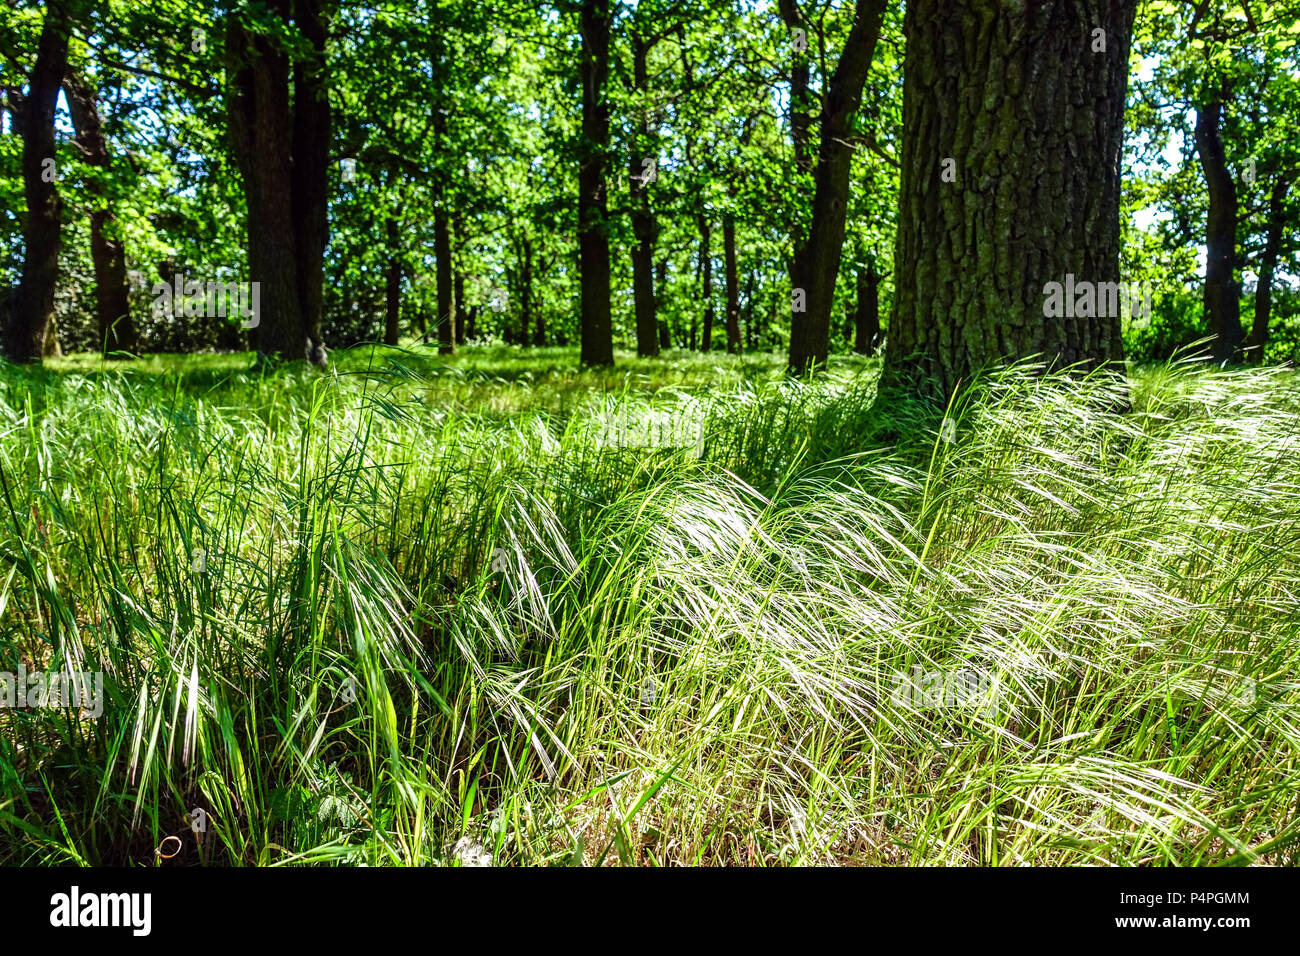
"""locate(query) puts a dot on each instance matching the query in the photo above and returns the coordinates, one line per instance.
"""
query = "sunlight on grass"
(419, 610)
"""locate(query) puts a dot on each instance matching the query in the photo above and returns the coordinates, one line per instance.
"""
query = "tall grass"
(415, 612)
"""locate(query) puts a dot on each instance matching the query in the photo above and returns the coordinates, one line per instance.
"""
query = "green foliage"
(485, 608)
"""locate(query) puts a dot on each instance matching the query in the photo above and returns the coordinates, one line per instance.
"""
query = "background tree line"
(794, 175)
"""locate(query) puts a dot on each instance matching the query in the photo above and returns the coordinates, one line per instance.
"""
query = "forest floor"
(420, 610)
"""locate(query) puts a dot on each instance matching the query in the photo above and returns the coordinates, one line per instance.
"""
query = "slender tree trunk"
(800, 113)
(539, 310)
(1033, 122)
(458, 297)
(866, 319)
(800, 98)
(458, 274)
(692, 338)
(643, 292)
(661, 276)
(706, 266)
(31, 320)
(1268, 267)
(1222, 304)
(107, 251)
(393, 298)
(593, 235)
(345, 294)
(644, 226)
(261, 128)
(688, 74)
(751, 337)
(733, 286)
(525, 290)
(442, 252)
(310, 180)
(817, 260)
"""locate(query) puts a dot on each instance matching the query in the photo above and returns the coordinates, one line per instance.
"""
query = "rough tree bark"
(817, 259)
(29, 335)
(593, 237)
(261, 128)
(310, 184)
(1033, 120)
(282, 151)
(107, 251)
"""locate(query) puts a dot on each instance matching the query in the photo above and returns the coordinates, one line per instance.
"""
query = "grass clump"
(423, 611)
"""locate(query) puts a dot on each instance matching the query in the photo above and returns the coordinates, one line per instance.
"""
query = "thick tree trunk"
(261, 127)
(393, 290)
(1033, 121)
(53, 348)
(706, 266)
(1268, 267)
(107, 251)
(866, 319)
(733, 285)
(593, 236)
(311, 144)
(31, 321)
(817, 260)
(539, 329)
(1222, 304)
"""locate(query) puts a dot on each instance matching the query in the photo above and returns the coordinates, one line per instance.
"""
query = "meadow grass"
(420, 610)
